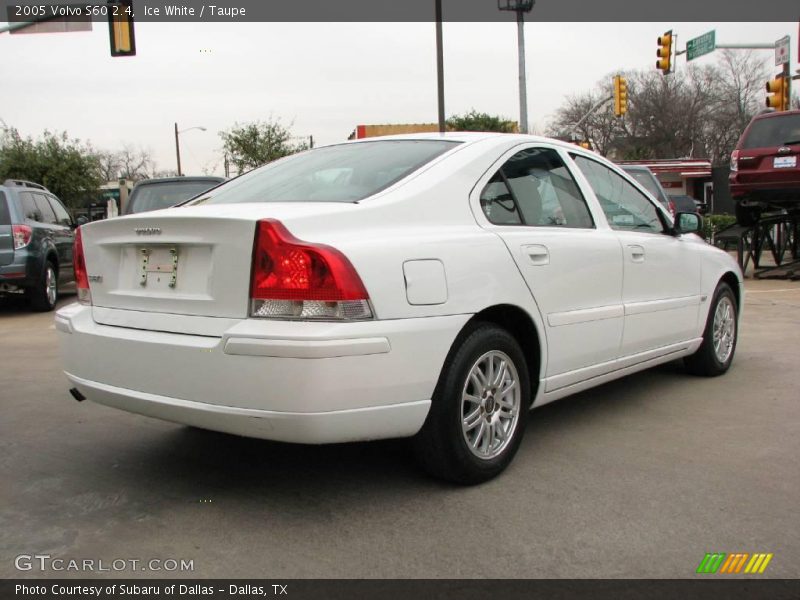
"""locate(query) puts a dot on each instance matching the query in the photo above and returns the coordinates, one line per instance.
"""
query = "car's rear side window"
(773, 131)
(5, 216)
(534, 187)
(29, 210)
(341, 173)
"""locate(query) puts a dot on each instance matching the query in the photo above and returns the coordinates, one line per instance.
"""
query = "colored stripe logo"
(732, 564)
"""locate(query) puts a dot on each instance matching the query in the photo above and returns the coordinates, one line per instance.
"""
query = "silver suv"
(36, 236)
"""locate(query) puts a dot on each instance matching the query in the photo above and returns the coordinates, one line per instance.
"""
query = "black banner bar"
(346, 589)
(672, 11)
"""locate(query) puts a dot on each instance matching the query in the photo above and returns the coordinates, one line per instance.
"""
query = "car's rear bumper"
(327, 383)
(369, 423)
(23, 272)
(767, 191)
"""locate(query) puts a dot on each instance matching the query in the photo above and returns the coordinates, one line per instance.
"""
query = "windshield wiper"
(792, 143)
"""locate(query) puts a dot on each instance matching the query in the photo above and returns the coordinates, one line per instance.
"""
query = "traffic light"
(778, 93)
(620, 95)
(120, 28)
(664, 53)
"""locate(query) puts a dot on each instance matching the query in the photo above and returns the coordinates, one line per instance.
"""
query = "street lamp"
(520, 7)
(178, 144)
(440, 66)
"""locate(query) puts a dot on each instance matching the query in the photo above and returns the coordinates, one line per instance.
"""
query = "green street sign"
(701, 45)
(109, 194)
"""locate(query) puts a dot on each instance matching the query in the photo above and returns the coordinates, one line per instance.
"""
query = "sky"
(322, 79)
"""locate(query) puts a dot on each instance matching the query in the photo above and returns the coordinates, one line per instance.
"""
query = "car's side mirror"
(686, 222)
(81, 221)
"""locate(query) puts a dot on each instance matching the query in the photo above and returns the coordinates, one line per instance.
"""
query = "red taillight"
(671, 208)
(735, 160)
(295, 279)
(81, 277)
(22, 235)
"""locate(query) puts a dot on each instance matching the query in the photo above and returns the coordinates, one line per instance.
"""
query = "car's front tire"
(715, 354)
(44, 294)
(479, 408)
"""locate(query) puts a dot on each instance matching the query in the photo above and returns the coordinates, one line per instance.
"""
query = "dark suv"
(154, 194)
(765, 167)
(36, 235)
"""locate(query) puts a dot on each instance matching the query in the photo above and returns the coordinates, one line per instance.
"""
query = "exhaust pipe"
(77, 395)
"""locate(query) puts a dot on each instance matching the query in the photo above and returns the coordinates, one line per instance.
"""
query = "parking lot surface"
(638, 478)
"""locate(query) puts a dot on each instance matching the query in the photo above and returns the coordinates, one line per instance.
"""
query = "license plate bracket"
(158, 261)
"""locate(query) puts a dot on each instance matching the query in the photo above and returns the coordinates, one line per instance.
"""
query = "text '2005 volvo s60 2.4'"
(433, 286)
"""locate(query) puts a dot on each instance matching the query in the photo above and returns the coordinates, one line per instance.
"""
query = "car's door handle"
(536, 254)
(636, 252)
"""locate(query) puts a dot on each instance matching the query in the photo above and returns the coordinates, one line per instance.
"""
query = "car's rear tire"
(44, 295)
(479, 408)
(715, 354)
(747, 216)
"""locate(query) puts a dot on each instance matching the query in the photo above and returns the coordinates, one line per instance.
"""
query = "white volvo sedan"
(427, 286)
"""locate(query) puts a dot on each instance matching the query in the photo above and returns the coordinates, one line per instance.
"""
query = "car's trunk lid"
(182, 261)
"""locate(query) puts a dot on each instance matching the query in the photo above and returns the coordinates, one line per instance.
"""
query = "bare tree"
(699, 111)
(663, 116)
(600, 127)
(128, 163)
(135, 163)
(734, 98)
(109, 165)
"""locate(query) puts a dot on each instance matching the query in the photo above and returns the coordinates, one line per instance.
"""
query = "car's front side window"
(625, 207)
(45, 210)
(62, 216)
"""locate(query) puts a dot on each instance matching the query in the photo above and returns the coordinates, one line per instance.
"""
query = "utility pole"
(178, 149)
(178, 143)
(440, 65)
(523, 84)
(520, 7)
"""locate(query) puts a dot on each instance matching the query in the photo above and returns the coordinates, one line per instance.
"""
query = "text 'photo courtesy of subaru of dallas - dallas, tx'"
(431, 287)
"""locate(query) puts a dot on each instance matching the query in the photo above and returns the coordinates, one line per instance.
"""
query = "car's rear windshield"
(341, 173)
(5, 217)
(773, 131)
(153, 196)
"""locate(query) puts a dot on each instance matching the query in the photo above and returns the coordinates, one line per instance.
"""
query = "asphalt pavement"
(638, 478)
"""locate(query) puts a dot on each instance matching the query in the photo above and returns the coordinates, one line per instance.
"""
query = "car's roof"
(469, 137)
(182, 178)
(775, 114)
(23, 184)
